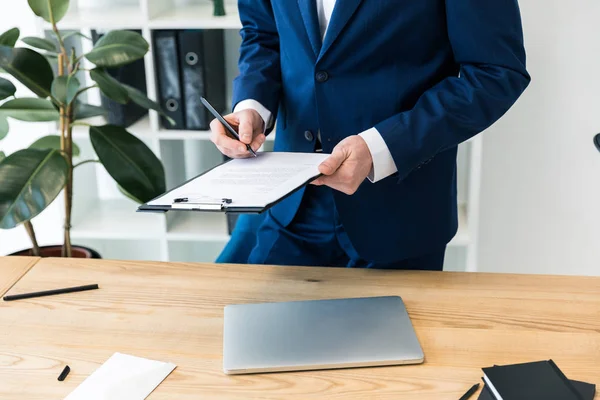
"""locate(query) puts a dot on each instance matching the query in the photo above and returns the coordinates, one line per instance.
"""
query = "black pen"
(50, 292)
(470, 392)
(64, 373)
(225, 123)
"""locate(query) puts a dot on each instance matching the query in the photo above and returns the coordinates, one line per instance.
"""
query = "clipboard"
(227, 205)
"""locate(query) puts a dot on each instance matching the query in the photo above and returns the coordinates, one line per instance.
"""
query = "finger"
(330, 181)
(222, 140)
(340, 187)
(226, 152)
(216, 130)
(258, 142)
(246, 129)
(333, 162)
(233, 154)
(336, 183)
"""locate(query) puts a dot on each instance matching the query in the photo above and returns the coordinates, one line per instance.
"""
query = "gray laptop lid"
(318, 334)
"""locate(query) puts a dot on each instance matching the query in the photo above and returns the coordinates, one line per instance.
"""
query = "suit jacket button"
(321, 76)
(308, 135)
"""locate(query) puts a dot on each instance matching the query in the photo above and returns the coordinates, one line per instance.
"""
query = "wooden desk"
(173, 312)
(12, 269)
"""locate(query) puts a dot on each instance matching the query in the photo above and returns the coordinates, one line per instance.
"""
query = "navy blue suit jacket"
(428, 74)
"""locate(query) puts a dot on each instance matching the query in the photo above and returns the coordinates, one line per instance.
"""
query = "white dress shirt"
(383, 163)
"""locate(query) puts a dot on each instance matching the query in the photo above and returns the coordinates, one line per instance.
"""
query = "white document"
(250, 182)
(123, 377)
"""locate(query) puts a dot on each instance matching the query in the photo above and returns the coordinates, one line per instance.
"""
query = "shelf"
(196, 16)
(207, 227)
(116, 219)
(462, 237)
(194, 251)
(141, 128)
(116, 17)
(166, 134)
(173, 134)
(188, 226)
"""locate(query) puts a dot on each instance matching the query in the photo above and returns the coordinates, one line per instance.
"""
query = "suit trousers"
(315, 237)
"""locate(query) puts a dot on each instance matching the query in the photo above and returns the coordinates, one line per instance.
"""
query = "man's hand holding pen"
(250, 127)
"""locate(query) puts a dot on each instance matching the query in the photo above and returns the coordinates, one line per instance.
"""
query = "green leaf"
(52, 142)
(118, 48)
(50, 10)
(3, 127)
(129, 161)
(64, 88)
(111, 87)
(30, 109)
(10, 37)
(129, 195)
(39, 43)
(31, 180)
(2, 156)
(7, 88)
(76, 33)
(84, 111)
(142, 100)
(29, 67)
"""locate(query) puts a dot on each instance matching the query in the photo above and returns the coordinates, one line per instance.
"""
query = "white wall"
(540, 204)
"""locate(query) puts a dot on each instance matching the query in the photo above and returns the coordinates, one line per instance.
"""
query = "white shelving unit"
(105, 220)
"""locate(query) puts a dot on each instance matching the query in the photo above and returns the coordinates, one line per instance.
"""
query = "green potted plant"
(32, 178)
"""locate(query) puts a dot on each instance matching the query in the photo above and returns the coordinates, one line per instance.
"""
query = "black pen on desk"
(225, 123)
(50, 292)
(470, 392)
(64, 373)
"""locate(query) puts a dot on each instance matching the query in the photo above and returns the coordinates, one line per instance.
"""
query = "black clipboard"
(216, 205)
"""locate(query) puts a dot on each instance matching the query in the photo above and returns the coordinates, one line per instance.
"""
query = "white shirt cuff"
(250, 104)
(383, 163)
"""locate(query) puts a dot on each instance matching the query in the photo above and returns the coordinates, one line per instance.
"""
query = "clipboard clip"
(200, 203)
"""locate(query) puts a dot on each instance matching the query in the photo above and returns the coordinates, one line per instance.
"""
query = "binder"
(134, 75)
(238, 188)
(202, 61)
(166, 60)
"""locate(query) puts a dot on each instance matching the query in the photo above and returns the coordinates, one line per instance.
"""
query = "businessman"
(389, 89)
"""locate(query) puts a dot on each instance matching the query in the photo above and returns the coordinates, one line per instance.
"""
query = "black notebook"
(540, 380)
(586, 390)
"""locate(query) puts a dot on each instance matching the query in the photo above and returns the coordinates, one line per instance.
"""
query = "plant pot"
(56, 251)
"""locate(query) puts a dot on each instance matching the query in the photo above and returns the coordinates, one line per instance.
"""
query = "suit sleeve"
(259, 66)
(487, 42)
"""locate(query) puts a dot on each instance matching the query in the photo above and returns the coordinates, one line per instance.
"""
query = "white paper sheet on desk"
(123, 377)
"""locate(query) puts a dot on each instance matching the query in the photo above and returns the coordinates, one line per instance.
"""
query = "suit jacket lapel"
(308, 10)
(343, 11)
